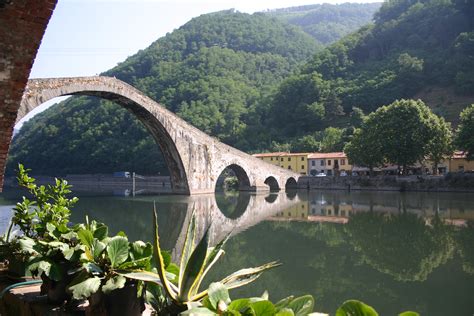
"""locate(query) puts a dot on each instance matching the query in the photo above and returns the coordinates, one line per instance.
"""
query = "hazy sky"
(87, 37)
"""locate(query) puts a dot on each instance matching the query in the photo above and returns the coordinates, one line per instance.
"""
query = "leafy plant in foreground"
(182, 291)
(103, 257)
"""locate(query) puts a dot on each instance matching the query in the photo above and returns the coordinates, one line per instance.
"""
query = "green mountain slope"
(212, 71)
(326, 22)
(414, 49)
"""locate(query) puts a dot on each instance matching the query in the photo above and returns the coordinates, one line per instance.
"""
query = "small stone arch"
(273, 184)
(241, 174)
(291, 184)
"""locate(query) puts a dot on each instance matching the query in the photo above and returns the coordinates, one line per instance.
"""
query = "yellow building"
(298, 211)
(459, 163)
(297, 162)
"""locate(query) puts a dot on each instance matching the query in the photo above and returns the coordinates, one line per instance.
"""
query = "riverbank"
(452, 182)
(107, 183)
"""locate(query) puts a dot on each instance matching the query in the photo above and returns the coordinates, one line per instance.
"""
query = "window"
(329, 162)
(289, 167)
(302, 167)
(322, 162)
(289, 159)
(282, 159)
(302, 158)
(271, 158)
(343, 162)
(313, 163)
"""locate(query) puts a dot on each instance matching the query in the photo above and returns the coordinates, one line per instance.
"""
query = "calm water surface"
(395, 251)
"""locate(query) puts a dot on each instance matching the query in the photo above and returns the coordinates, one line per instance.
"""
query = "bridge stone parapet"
(195, 159)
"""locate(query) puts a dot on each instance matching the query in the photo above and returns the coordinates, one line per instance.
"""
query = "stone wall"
(452, 182)
(22, 25)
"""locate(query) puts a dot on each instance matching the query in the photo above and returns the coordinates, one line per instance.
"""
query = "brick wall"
(22, 25)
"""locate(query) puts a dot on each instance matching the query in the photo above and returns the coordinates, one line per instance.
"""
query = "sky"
(87, 37)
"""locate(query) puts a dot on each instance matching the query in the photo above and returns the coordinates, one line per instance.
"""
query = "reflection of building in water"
(297, 211)
(321, 206)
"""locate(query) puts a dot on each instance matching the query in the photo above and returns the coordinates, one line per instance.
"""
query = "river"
(394, 251)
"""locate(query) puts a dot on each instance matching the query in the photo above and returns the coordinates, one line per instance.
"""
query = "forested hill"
(415, 49)
(213, 71)
(326, 22)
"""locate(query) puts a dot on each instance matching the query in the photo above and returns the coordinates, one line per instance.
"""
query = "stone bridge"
(251, 209)
(195, 160)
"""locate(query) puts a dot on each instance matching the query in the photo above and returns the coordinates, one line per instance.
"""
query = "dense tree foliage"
(402, 133)
(212, 71)
(413, 44)
(327, 23)
(465, 132)
(255, 82)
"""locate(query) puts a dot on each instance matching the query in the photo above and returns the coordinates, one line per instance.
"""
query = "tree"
(306, 144)
(332, 139)
(440, 144)
(465, 132)
(404, 130)
(365, 148)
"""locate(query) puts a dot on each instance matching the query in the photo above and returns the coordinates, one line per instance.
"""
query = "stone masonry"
(195, 159)
(22, 25)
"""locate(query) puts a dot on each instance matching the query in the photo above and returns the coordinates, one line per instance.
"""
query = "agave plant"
(182, 290)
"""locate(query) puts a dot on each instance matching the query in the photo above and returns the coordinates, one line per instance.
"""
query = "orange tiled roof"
(327, 155)
(279, 154)
(458, 154)
(270, 154)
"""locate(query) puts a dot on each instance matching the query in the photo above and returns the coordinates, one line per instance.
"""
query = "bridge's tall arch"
(195, 160)
(152, 122)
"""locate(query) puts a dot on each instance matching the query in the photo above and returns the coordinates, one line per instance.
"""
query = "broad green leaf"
(173, 269)
(27, 244)
(246, 276)
(98, 248)
(218, 292)
(122, 234)
(355, 308)
(117, 249)
(51, 269)
(409, 313)
(265, 295)
(86, 237)
(160, 265)
(142, 276)
(139, 250)
(101, 232)
(285, 312)
(263, 308)
(194, 268)
(85, 288)
(239, 305)
(92, 268)
(166, 258)
(188, 246)
(283, 303)
(50, 227)
(302, 305)
(198, 311)
(117, 282)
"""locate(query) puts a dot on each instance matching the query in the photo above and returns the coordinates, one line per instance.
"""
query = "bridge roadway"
(195, 160)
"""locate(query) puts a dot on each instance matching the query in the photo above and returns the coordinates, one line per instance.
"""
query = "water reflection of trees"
(401, 245)
(466, 247)
(134, 217)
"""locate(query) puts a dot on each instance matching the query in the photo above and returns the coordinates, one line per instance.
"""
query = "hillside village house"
(336, 162)
(298, 162)
(328, 163)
